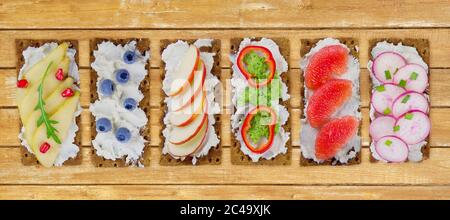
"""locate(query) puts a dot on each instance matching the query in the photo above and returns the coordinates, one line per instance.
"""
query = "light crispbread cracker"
(423, 48)
(214, 156)
(142, 45)
(306, 46)
(27, 158)
(237, 156)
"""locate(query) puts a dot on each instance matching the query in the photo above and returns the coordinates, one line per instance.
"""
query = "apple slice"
(181, 135)
(64, 116)
(184, 99)
(188, 114)
(184, 75)
(191, 146)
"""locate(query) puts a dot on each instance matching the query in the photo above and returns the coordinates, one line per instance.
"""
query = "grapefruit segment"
(327, 62)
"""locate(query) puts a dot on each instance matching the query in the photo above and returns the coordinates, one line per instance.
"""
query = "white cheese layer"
(108, 59)
(32, 55)
(412, 56)
(171, 57)
(308, 134)
(239, 83)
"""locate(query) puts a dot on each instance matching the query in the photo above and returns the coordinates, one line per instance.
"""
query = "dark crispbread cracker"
(237, 156)
(306, 46)
(28, 158)
(214, 156)
(142, 45)
(423, 48)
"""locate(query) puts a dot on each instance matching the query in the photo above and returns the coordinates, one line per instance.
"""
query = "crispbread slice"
(28, 159)
(237, 156)
(423, 48)
(143, 45)
(306, 46)
(214, 157)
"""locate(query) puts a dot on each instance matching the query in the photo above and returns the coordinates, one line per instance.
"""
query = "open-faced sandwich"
(48, 100)
(259, 94)
(119, 68)
(399, 107)
(331, 120)
(190, 129)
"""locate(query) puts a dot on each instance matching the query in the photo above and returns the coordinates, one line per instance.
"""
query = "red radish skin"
(408, 101)
(413, 77)
(392, 149)
(381, 127)
(382, 100)
(387, 61)
(415, 129)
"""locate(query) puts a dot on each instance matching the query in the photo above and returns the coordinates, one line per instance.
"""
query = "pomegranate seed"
(59, 74)
(44, 147)
(23, 83)
(67, 93)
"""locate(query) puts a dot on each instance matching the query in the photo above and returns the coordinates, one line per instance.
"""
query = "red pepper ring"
(247, 125)
(269, 60)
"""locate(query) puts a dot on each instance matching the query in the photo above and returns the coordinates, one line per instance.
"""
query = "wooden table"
(296, 20)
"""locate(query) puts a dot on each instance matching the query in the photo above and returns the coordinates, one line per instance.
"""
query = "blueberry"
(107, 87)
(129, 57)
(123, 134)
(103, 125)
(129, 104)
(122, 75)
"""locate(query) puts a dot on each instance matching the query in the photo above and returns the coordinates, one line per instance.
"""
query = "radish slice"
(383, 96)
(392, 149)
(409, 101)
(381, 127)
(413, 127)
(386, 65)
(412, 77)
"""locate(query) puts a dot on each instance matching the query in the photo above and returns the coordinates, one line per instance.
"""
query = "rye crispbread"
(214, 156)
(423, 48)
(237, 156)
(142, 45)
(306, 46)
(28, 158)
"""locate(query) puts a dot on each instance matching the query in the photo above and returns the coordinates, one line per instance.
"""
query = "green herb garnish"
(44, 118)
(387, 74)
(256, 65)
(387, 111)
(380, 88)
(413, 76)
(259, 126)
(388, 143)
(406, 99)
(402, 83)
(409, 116)
(397, 128)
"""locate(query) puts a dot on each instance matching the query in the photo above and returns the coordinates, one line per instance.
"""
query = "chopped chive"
(397, 128)
(402, 83)
(406, 99)
(409, 116)
(380, 88)
(387, 74)
(388, 143)
(413, 76)
(387, 111)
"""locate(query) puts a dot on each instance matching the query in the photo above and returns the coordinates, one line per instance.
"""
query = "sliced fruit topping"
(381, 127)
(122, 76)
(44, 147)
(257, 65)
(23, 83)
(409, 101)
(103, 125)
(67, 93)
(392, 149)
(383, 96)
(334, 135)
(412, 77)
(187, 115)
(259, 129)
(326, 100)
(123, 134)
(386, 65)
(129, 57)
(413, 127)
(107, 87)
(325, 64)
(185, 72)
(180, 135)
(129, 104)
(59, 75)
(191, 146)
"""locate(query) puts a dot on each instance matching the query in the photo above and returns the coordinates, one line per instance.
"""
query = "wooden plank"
(269, 192)
(223, 14)
(435, 171)
(439, 47)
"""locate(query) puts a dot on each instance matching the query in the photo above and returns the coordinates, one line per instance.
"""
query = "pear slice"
(64, 117)
(52, 104)
(34, 74)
